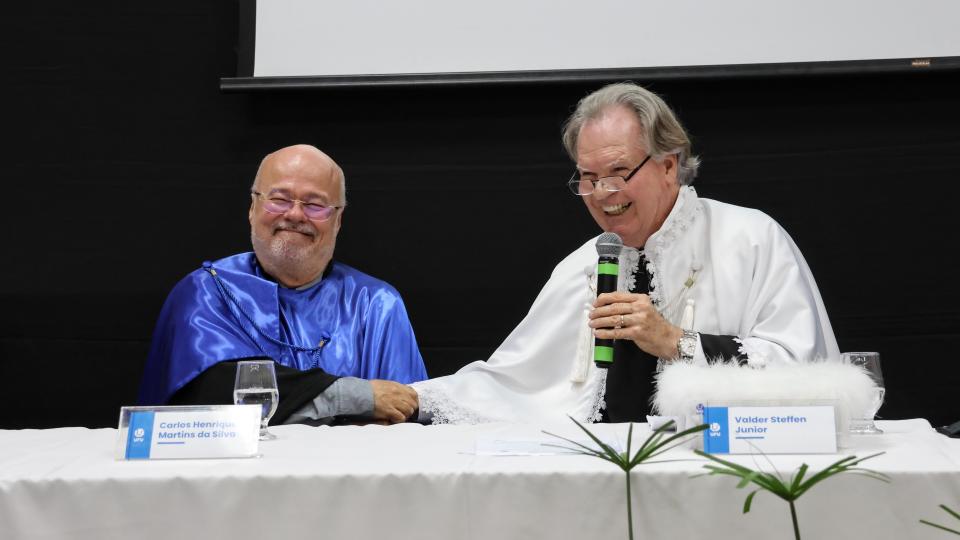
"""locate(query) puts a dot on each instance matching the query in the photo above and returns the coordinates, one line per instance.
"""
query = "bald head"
(305, 159)
(292, 246)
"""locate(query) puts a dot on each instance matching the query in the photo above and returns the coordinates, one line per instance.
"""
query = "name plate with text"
(189, 432)
(770, 430)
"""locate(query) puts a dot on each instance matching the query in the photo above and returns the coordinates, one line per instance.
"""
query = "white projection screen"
(357, 42)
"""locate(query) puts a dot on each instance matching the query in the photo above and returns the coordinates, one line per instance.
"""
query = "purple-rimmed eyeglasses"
(277, 204)
(585, 186)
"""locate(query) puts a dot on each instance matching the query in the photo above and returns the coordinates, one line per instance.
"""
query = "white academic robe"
(742, 271)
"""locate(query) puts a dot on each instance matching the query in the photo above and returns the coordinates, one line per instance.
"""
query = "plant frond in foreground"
(941, 527)
(656, 444)
(787, 489)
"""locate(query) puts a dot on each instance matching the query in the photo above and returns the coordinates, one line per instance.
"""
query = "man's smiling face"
(612, 145)
(290, 246)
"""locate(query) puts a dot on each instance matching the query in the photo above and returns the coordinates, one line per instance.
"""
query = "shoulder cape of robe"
(749, 281)
(360, 320)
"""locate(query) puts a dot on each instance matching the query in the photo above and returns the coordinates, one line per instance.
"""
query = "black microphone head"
(609, 245)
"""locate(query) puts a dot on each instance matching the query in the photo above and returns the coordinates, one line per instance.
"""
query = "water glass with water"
(870, 362)
(256, 384)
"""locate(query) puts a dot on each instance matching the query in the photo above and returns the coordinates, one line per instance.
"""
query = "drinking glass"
(256, 384)
(870, 362)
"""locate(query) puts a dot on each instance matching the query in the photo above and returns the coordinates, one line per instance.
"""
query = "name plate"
(770, 430)
(188, 432)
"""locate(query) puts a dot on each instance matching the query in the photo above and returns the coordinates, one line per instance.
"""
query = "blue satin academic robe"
(361, 321)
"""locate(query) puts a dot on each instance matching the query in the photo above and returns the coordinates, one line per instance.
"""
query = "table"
(426, 482)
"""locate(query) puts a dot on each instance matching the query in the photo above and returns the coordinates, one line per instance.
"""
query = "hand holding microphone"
(624, 315)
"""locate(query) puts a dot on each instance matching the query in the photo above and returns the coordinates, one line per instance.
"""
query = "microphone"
(608, 271)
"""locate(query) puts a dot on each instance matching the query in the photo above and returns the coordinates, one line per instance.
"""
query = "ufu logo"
(715, 429)
(138, 434)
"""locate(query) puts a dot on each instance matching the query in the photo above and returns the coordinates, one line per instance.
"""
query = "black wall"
(126, 167)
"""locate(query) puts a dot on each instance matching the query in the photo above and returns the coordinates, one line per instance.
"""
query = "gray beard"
(280, 256)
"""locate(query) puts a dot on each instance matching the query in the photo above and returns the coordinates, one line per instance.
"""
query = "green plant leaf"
(949, 511)
(677, 438)
(581, 448)
(606, 452)
(791, 491)
(797, 478)
(749, 501)
(613, 454)
(942, 527)
(729, 464)
(766, 481)
(747, 478)
(847, 464)
(656, 444)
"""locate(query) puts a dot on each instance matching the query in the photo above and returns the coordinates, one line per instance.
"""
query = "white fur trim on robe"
(681, 387)
(751, 282)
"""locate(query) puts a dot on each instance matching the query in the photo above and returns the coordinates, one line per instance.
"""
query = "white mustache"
(303, 228)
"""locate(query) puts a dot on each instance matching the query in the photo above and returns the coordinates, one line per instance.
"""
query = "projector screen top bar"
(329, 43)
(241, 84)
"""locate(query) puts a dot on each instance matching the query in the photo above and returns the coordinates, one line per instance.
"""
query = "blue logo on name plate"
(139, 435)
(716, 440)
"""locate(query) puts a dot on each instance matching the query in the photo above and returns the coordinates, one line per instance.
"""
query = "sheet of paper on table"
(507, 444)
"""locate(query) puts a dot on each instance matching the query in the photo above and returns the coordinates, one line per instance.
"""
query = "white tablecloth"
(425, 482)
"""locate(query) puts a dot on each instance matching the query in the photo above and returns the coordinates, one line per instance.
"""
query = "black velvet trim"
(630, 377)
(215, 387)
(721, 347)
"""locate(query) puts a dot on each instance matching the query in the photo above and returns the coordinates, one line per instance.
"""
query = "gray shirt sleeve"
(347, 396)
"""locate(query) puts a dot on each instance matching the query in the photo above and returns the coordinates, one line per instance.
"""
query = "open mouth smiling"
(616, 209)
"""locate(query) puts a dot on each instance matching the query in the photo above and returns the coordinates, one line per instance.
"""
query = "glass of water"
(256, 384)
(870, 362)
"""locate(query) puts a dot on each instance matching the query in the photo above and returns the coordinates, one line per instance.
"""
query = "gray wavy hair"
(663, 133)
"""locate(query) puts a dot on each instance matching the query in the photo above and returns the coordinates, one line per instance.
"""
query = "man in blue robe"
(341, 340)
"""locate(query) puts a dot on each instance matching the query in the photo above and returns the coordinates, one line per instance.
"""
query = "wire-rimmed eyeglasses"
(276, 204)
(585, 186)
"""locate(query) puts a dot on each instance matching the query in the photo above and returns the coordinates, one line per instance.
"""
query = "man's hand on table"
(393, 402)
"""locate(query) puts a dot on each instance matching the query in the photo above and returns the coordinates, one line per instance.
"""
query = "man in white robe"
(699, 280)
